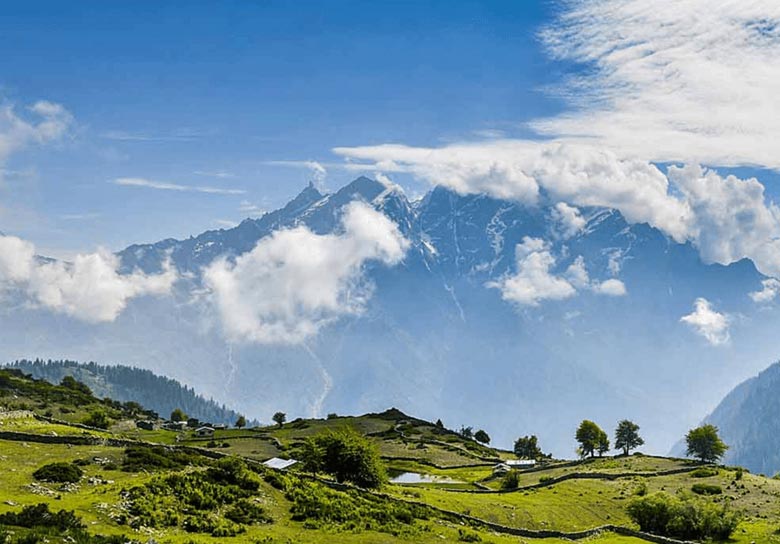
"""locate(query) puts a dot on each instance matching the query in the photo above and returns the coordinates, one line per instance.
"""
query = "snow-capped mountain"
(438, 336)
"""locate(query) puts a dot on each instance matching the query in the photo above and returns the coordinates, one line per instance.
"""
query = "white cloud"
(90, 288)
(16, 132)
(534, 282)
(770, 288)
(164, 186)
(707, 322)
(522, 170)
(611, 287)
(673, 80)
(730, 218)
(294, 282)
(568, 219)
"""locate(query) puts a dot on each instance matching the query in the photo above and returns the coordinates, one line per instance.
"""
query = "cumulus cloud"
(730, 218)
(568, 219)
(611, 287)
(707, 322)
(49, 122)
(534, 280)
(90, 288)
(164, 186)
(294, 282)
(770, 288)
(522, 170)
(671, 81)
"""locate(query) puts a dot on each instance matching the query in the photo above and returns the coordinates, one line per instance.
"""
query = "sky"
(221, 95)
(132, 122)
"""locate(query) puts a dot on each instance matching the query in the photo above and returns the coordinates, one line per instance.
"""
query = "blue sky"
(173, 95)
(219, 105)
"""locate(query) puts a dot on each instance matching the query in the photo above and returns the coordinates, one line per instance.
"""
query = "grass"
(406, 444)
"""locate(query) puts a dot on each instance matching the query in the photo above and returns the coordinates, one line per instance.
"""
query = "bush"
(39, 515)
(140, 458)
(704, 472)
(546, 479)
(320, 507)
(683, 517)
(59, 473)
(706, 489)
(511, 480)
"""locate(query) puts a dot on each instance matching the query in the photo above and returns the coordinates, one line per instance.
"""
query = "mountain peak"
(366, 188)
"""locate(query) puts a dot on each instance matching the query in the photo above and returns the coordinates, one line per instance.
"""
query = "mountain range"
(438, 335)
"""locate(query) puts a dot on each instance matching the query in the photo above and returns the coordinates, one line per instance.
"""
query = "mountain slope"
(748, 421)
(435, 337)
(124, 383)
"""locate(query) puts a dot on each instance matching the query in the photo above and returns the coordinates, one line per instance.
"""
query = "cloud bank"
(294, 282)
(90, 288)
(690, 81)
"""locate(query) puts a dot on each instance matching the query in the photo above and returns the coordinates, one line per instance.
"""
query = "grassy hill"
(173, 486)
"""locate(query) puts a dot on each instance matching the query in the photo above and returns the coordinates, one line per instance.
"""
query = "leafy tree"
(482, 437)
(178, 415)
(591, 438)
(603, 446)
(133, 408)
(347, 455)
(527, 447)
(466, 432)
(705, 444)
(97, 419)
(439, 424)
(240, 422)
(279, 418)
(627, 436)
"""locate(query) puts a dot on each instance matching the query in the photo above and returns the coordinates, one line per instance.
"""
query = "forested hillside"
(126, 383)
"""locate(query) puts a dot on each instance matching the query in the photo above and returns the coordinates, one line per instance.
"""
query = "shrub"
(320, 507)
(59, 472)
(39, 515)
(704, 472)
(511, 480)
(139, 458)
(546, 479)
(706, 489)
(683, 517)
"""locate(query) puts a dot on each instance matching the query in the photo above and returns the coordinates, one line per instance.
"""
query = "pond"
(417, 478)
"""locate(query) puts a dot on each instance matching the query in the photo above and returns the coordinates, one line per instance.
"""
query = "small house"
(204, 432)
(279, 464)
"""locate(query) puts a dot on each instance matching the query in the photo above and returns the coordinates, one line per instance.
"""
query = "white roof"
(205, 429)
(277, 463)
(520, 462)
